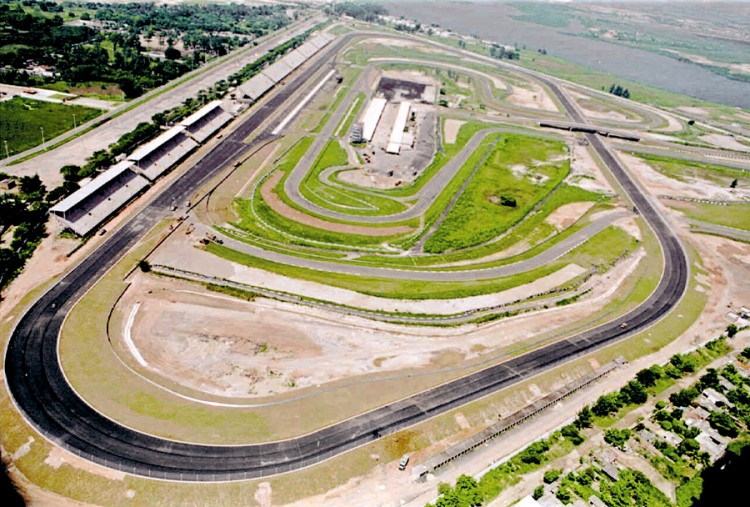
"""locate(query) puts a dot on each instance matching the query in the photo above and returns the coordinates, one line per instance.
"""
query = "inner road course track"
(40, 390)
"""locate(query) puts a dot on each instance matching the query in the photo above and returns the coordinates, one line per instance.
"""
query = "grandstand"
(88, 207)
(277, 71)
(160, 155)
(207, 120)
(259, 84)
(294, 59)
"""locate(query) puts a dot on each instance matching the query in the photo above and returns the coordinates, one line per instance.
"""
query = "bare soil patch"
(566, 215)
(722, 141)
(451, 129)
(533, 97)
(287, 211)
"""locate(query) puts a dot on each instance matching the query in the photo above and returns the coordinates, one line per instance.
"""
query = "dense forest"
(78, 43)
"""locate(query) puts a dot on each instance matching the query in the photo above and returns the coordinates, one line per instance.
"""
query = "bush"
(552, 475)
(571, 433)
(507, 200)
(144, 265)
(585, 418)
(538, 492)
(616, 437)
(534, 454)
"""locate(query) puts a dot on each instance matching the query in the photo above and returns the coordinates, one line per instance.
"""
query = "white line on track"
(302, 104)
(129, 339)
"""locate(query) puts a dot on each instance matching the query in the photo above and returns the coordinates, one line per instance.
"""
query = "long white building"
(372, 117)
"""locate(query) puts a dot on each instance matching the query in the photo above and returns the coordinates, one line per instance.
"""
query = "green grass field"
(21, 121)
(515, 169)
(732, 215)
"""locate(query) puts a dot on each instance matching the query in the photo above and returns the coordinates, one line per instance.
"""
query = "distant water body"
(492, 21)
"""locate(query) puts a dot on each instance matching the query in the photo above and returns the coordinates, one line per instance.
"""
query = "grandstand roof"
(307, 50)
(200, 113)
(277, 71)
(372, 117)
(91, 188)
(257, 86)
(154, 145)
(294, 59)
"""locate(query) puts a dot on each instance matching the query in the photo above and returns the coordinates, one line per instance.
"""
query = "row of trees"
(26, 212)
(616, 89)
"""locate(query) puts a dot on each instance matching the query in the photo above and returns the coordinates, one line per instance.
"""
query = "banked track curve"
(40, 390)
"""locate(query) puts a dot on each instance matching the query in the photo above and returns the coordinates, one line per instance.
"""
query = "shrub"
(552, 475)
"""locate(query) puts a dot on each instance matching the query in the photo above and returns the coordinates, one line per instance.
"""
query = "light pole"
(7, 153)
(75, 125)
(42, 130)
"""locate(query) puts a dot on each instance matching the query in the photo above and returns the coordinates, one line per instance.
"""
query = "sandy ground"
(451, 129)
(630, 226)
(721, 141)
(204, 340)
(287, 211)
(660, 184)
(584, 171)
(566, 215)
(612, 115)
(533, 98)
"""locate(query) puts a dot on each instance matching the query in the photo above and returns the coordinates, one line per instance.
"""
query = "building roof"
(372, 117)
(397, 134)
(91, 188)
(307, 50)
(257, 86)
(200, 113)
(277, 71)
(294, 59)
(148, 148)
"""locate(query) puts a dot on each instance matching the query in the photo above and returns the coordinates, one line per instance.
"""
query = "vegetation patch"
(24, 121)
(517, 175)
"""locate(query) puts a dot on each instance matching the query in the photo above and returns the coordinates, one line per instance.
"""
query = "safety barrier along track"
(39, 388)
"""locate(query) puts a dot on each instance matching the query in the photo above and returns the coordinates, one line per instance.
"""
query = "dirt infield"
(287, 211)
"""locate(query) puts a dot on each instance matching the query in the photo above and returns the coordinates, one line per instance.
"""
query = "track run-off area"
(42, 393)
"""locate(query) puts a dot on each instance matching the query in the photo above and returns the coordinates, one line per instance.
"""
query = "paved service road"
(39, 389)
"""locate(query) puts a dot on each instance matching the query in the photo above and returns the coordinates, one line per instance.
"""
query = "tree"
(732, 328)
(551, 476)
(172, 53)
(684, 397)
(733, 185)
(467, 491)
(607, 404)
(534, 454)
(634, 392)
(144, 265)
(710, 379)
(585, 418)
(31, 186)
(724, 424)
(617, 437)
(538, 492)
(508, 200)
(571, 433)
(649, 376)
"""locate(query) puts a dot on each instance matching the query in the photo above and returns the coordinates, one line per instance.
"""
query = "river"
(492, 21)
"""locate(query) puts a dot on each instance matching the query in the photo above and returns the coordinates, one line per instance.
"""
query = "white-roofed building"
(277, 71)
(160, 155)
(207, 120)
(397, 134)
(256, 87)
(372, 117)
(294, 59)
(307, 50)
(88, 207)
